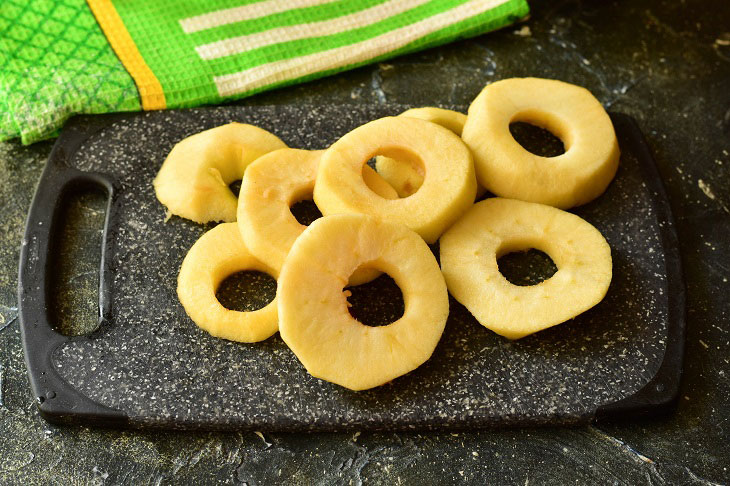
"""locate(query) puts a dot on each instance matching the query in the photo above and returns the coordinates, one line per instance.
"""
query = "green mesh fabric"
(55, 62)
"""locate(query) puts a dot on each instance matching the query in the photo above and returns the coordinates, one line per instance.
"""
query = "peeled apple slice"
(402, 175)
(313, 317)
(193, 181)
(218, 254)
(496, 226)
(271, 185)
(571, 113)
(448, 188)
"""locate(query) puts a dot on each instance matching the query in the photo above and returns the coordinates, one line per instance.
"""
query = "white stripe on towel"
(277, 71)
(369, 16)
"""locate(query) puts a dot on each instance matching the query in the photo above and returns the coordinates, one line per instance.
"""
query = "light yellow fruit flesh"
(403, 176)
(315, 322)
(218, 254)
(449, 119)
(193, 181)
(448, 188)
(377, 183)
(270, 186)
(496, 226)
(571, 113)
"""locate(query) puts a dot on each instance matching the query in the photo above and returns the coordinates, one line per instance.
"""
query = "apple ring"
(495, 227)
(193, 180)
(449, 185)
(218, 254)
(404, 177)
(313, 317)
(269, 188)
(572, 113)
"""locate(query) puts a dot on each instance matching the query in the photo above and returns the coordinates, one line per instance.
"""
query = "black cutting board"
(148, 365)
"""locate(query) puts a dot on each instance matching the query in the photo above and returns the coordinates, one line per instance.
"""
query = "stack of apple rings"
(431, 164)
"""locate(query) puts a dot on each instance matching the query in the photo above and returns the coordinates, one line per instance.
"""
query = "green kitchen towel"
(61, 57)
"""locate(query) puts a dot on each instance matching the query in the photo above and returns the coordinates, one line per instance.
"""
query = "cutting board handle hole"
(75, 254)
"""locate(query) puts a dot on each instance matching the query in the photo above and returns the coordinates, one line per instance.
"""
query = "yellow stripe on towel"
(150, 89)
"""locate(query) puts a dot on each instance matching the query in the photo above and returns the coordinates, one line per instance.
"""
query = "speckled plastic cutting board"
(148, 365)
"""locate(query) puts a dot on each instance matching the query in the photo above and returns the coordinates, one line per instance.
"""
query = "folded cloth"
(62, 57)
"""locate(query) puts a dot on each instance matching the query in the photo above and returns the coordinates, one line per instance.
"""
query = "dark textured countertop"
(665, 63)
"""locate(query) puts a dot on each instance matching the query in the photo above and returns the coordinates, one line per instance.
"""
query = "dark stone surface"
(246, 291)
(665, 63)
